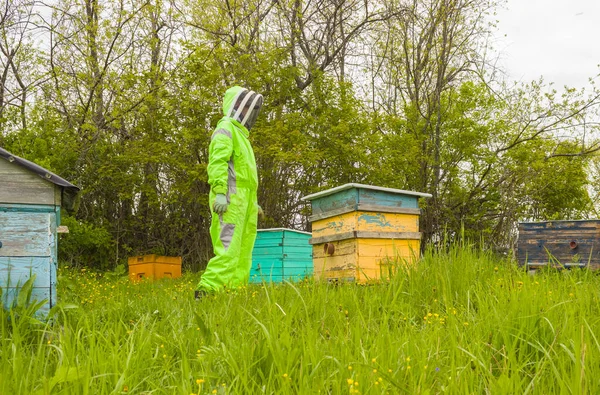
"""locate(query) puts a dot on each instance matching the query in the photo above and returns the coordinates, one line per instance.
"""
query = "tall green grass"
(459, 322)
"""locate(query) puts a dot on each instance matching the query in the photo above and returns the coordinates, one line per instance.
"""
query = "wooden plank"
(335, 262)
(383, 198)
(297, 271)
(367, 222)
(267, 251)
(341, 247)
(337, 275)
(340, 200)
(388, 209)
(403, 249)
(333, 213)
(366, 235)
(257, 279)
(548, 225)
(15, 271)
(27, 234)
(22, 186)
(572, 233)
(10, 295)
(26, 208)
(57, 196)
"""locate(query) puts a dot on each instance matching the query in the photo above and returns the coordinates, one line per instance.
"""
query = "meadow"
(460, 322)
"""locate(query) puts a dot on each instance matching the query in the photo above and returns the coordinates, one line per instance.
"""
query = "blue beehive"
(30, 201)
(281, 254)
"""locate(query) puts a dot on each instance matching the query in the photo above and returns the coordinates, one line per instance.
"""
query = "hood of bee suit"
(243, 105)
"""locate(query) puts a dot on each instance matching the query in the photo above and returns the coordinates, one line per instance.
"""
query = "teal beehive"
(281, 254)
(30, 201)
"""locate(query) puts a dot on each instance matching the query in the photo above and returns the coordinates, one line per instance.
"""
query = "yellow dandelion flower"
(349, 367)
(377, 383)
(374, 370)
(356, 383)
(350, 381)
(285, 375)
(408, 367)
(200, 381)
(407, 359)
(214, 391)
(374, 360)
(389, 370)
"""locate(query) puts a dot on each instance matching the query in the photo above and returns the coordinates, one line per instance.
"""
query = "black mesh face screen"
(238, 102)
(254, 111)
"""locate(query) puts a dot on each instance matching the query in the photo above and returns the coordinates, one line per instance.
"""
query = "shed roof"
(371, 187)
(37, 169)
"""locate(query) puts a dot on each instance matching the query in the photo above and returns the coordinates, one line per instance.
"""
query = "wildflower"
(377, 383)
(408, 367)
(374, 360)
(214, 391)
(356, 383)
(199, 381)
(349, 367)
(374, 370)
(407, 359)
(125, 388)
(285, 375)
(350, 381)
(389, 370)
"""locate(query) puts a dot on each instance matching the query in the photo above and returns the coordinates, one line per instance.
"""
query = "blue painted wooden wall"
(29, 246)
(281, 254)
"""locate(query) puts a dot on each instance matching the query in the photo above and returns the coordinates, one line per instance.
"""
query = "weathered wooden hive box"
(360, 232)
(559, 243)
(281, 254)
(153, 267)
(30, 201)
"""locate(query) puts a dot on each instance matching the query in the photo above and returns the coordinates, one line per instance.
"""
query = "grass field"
(460, 322)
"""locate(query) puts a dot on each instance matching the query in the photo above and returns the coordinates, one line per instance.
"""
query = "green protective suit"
(232, 171)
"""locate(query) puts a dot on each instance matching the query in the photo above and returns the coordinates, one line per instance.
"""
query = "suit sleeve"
(219, 154)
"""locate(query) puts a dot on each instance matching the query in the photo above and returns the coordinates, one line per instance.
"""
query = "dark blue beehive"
(281, 254)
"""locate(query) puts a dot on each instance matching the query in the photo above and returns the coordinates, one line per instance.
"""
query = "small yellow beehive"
(361, 232)
(154, 267)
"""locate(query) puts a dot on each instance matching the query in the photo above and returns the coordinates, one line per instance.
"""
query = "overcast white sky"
(557, 39)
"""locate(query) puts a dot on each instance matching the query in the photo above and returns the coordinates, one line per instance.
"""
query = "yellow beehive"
(154, 267)
(361, 232)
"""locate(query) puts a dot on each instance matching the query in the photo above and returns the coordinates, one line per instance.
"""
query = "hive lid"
(362, 186)
(284, 229)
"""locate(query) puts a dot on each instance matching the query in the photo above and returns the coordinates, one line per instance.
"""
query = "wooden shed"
(564, 244)
(360, 232)
(281, 254)
(30, 201)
